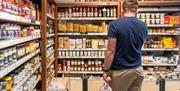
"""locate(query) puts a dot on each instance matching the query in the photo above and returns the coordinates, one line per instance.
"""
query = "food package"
(167, 19)
(168, 42)
(84, 43)
(70, 27)
(100, 29)
(95, 43)
(94, 28)
(72, 43)
(76, 27)
(174, 20)
(89, 28)
(83, 28)
(61, 42)
(79, 43)
(62, 27)
(66, 43)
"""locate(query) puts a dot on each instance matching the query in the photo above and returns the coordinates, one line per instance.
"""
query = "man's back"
(130, 34)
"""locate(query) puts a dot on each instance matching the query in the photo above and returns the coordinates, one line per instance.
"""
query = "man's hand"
(106, 76)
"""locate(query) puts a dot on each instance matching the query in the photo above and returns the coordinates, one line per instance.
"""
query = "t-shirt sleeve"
(112, 31)
(146, 34)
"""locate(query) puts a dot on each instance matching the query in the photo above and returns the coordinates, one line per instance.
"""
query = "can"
(1, 59)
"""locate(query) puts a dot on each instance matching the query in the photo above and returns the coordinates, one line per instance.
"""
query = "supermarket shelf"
(80, 72)
(36, 82)
(162, 25)
(8, 43)
(82, 49)
(16, 64)
(50, 35)
(50, 54)
(160, 49)
(81, 57)
(105, 34)
(50, 63)
(160, 10)
(7, 17)
(79, 34)
(103, 18)
(70, 4)
(164, 33)
(49, 45)
(159, 64)
(25, 79)
(159, 3)
(144, 49)
(50, 16)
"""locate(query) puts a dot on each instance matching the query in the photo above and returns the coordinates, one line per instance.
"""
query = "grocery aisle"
(48, 44)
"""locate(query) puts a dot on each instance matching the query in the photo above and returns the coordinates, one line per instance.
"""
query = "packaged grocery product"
(167, 19)
(89, 28)
(66, 42)
(76, 27)
(95, 43)
(79, 43)
(8, 83)
(72, 43)
(61, 42)
(83, 29)
(70, 27)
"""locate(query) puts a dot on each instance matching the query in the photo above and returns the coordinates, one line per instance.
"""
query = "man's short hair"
(130, 5)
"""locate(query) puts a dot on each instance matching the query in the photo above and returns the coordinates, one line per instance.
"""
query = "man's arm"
(110, 52)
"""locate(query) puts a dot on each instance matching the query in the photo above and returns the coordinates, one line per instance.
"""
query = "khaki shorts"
(127, 80)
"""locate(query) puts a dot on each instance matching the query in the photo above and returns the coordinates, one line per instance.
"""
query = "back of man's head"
(130, 6)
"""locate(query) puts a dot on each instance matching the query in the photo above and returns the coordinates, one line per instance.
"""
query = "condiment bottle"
(104, 12)
(88, 12)
(81, 12)
(84, 12)
(115, 15)
(92, 12)
(77, 12)
(100, 13)
(96, 12)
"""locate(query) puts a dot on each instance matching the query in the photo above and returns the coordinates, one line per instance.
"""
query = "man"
(122, 66)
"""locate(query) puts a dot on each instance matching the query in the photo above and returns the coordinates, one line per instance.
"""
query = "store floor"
(76, 84)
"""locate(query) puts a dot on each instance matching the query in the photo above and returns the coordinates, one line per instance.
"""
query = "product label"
(84, 14)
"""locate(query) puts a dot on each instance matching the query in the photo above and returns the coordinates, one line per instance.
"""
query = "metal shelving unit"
(8, 43)
(7, 17)
(25, 78)
(12, 66)
(90, 19)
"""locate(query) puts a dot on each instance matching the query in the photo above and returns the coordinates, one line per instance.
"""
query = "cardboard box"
(60, 84)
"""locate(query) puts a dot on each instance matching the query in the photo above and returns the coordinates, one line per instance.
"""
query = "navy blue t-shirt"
(130, 33)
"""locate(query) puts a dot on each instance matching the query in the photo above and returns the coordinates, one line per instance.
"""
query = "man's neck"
(129, 15)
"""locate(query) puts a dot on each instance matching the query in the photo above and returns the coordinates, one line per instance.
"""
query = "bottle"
(100, 12)
(84, 12)
(108, 12)
(92, 12)
(74, 12)
(104, 12)
(70, 12)
(88, 12)
(80, 12)
(112, 12)
(115, 15)
(96, 12)
(77, 12)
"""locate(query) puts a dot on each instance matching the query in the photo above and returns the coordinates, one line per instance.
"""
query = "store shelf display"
(20, 12)
(12, 58)
(83, 65)
(90, 12)
(17, 78)
(159, 19)
(82, 28)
